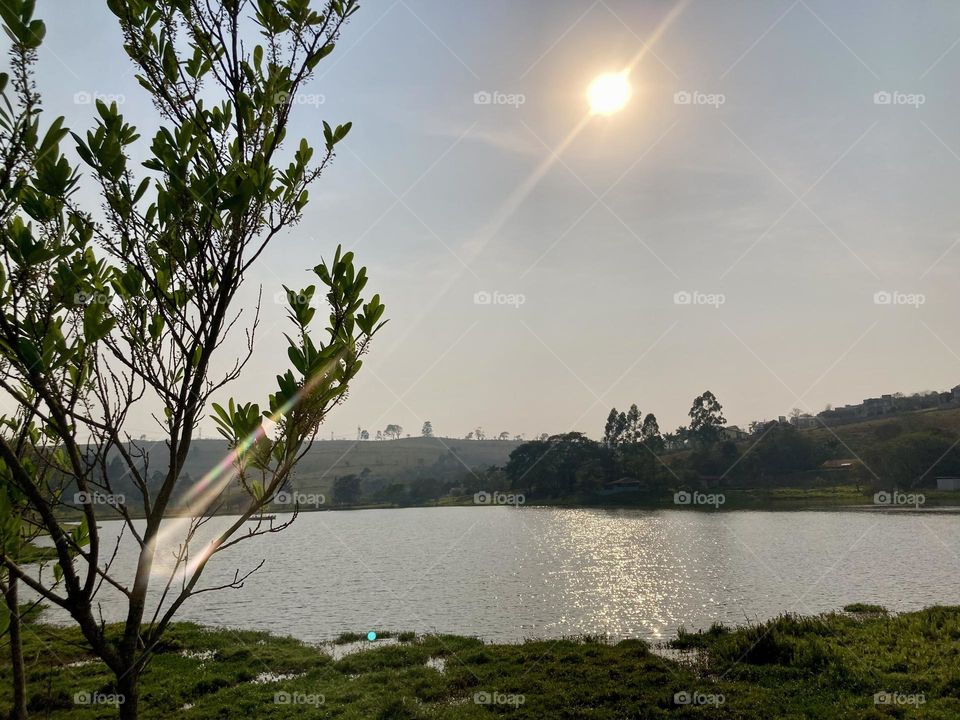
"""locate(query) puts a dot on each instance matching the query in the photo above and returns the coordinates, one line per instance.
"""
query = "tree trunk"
(19, 711)
(128, 685)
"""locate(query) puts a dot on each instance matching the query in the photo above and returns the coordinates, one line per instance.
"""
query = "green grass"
(823, 667)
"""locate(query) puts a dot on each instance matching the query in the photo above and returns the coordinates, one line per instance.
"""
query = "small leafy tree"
(393, 431)
(101, 316)
(346, 490)
(427, 429)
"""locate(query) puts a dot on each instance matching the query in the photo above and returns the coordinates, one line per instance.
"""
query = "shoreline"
(848, 663)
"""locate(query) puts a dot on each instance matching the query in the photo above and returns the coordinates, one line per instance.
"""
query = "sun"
(608, 93)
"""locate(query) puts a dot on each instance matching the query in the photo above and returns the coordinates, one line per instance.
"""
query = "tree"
(18, 528)
(469, 436)
(632, 425)
(100, 315)
(914, 460)
(427, 430)
(706, 419)
(478, 433)
(394, 494)
(379, 434)
(364, 435)
(610, 436)
(550, 467)
(346, 490)
(503, 436)
(650, 433)
(424, 489)
(393, 431)
(31, 168)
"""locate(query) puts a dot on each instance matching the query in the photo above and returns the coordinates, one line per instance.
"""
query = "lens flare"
(608, 93)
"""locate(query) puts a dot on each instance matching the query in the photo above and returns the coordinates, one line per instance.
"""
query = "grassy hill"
(861, 436)
(389, 460)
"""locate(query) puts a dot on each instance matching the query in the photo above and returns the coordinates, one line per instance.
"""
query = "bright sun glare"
(608, 93)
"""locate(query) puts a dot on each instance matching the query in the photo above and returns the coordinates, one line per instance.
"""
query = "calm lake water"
(505, 574)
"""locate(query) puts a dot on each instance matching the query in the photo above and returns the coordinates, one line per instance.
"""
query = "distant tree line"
(633, 451)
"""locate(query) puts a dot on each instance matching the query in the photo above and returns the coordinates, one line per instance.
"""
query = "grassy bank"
(775, 498)
(831, 666)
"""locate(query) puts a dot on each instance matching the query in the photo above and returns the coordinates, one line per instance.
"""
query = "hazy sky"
(786, 188)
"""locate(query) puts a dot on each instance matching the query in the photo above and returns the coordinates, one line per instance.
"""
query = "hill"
(862, 436)
(403, 460)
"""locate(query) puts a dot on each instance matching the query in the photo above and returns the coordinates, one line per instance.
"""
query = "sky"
(772, 216)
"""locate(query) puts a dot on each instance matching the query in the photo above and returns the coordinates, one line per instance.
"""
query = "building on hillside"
(806, 420)
(732, 432)
(675, 443)
(956, 393)
(948, 483)
(878, 406)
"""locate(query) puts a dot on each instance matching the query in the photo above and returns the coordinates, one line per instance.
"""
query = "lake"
(506, 573)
